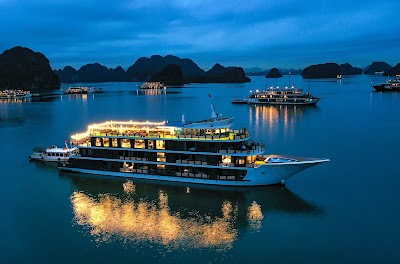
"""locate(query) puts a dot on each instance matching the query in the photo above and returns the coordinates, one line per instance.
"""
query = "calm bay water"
(342, 211)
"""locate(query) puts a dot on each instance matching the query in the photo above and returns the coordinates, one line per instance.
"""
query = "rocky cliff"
(273, 73)
(22, 68)
(221, 74)
(145, 68)
(170, 75)
(393, 71)
(93, 72)
(67, 75)
(377, 66)
(327, 70)
(347, 69)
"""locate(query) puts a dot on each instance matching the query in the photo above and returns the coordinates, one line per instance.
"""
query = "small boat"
(97, 90)
(392, 85)
(240, 101)
(14, 94)
(53, 153)
(153, 86)
(280, 96)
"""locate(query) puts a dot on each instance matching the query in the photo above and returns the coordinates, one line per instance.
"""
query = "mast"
(214, 115)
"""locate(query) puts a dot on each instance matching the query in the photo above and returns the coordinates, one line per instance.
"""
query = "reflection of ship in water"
(175, 215)
(82, 97)
(151, 91)
(271, 113)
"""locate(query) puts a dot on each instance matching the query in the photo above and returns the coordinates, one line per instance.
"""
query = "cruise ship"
(81, 90)
(153, 86)
(279, 96)
(206, 152)
(14, 94)
(392, 85)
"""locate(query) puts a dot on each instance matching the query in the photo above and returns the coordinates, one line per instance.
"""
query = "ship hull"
(266, 174)
(285, 103)
(382, 88)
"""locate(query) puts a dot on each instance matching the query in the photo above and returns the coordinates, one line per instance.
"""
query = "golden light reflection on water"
(129, 187)
(272, 115)
(255, 215)
(108, 217)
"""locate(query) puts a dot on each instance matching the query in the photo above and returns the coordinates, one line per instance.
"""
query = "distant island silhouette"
(273, 73)
(151, 69)
(377, 66)
(22, 68)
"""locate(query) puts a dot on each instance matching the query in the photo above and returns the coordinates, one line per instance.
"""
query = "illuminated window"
(125, 143)
(115, 143)
(160, 144)
(98, 142)
(151, 144)
(226, 159)
(240, 161)
(139, 143)
(106, 142)
(161, 157)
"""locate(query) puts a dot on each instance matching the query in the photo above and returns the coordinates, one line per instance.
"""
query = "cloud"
(250, 33)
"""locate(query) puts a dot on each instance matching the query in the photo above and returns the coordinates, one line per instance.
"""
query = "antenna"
(289, 81)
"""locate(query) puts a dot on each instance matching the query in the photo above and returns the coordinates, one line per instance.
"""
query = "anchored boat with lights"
(279, 96)
(153, 86)
(14, 94)
(206, 152)
(392, 85)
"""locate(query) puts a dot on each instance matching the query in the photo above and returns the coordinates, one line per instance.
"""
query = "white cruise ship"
(279, 96)
(153, 86)
(14, 94)
(207, 152)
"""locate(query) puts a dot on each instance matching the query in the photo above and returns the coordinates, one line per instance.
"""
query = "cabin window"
(106, 142)
(160, 166)
(98, 142)
(139, 143)
(160, 144)
(125, 143)
(161, 157)
(151, 144)
(240, 161)
(226, 159)
(115, 143)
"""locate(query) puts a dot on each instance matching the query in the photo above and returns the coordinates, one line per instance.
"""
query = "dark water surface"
(344, 211)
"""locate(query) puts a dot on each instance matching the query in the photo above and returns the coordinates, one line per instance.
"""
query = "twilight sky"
(262, 33)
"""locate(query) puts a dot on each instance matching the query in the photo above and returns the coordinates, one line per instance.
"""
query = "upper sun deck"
(277, 91)
(210, 129)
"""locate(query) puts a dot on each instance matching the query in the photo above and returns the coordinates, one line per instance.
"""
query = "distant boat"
(379, 73)
(339, 76)
(240, 101)
(392, 85)
(14, 94)
(153, 86)
(82, 90)
(279, 96)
